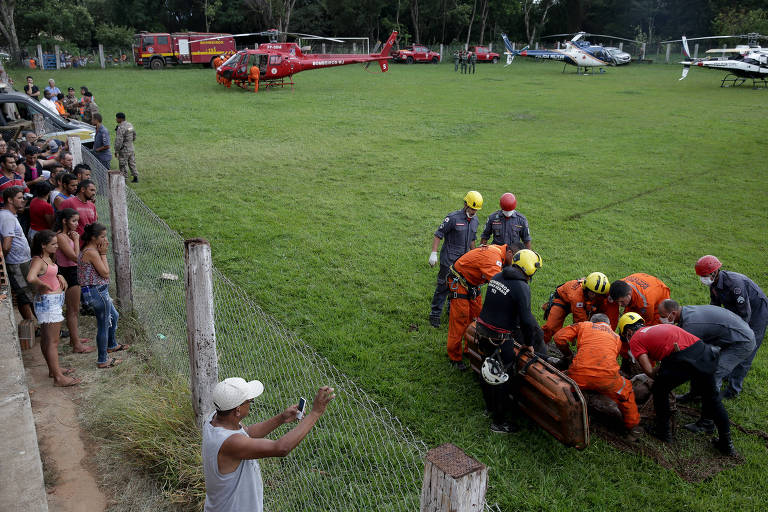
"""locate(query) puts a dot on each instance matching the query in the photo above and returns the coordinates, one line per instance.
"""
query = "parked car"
(484, 54)
(620, 56)
(415, 53)
(16, 115)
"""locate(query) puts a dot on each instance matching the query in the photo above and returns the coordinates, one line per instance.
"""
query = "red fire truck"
(157, 50)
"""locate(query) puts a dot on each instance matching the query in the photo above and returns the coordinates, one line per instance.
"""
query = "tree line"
(85, 23)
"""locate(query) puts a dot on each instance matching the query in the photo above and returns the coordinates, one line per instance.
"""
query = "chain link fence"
(359, 457)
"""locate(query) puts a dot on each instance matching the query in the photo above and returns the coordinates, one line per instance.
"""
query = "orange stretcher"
(545, 394)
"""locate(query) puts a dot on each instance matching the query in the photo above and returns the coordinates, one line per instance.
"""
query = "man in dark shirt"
(31, 89)
(101, 142)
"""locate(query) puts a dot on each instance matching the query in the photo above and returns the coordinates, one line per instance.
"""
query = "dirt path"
(61, 442)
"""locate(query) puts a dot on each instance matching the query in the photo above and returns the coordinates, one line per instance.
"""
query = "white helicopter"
(577, 52)
(750, 61)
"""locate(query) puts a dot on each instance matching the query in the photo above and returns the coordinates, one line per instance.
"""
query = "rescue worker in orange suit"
(638, 293)
(580, 297)
(595, 366)
(465, 278)
(218, 61)
(507, 225)
(253, 76)
(506, 317)
(458, 232)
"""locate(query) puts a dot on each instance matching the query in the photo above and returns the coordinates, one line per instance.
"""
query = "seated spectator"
(93, 276)
(60, 105)
(66, 258)
(48, 103)
(43, 275)
(66, 189)
(83, 203)
(55, 91)
(16, 250)
(41, 214)
(31, 89)
(71, 103)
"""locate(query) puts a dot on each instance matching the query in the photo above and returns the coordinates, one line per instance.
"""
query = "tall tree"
(415, 20)
(471, 20)
(483, 19)
(275, 13)
(8, 27)
(535, 15)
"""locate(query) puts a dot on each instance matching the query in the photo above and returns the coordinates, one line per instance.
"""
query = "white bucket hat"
(233, 391)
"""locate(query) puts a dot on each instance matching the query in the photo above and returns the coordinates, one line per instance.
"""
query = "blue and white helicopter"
(577, 52)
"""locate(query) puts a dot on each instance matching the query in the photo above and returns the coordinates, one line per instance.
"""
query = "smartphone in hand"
(302, 406)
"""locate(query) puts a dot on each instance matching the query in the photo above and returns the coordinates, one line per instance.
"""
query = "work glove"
(432, 258)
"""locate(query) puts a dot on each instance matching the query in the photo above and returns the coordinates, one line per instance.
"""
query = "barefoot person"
(43, 275)
(66, 259)
(93, 276)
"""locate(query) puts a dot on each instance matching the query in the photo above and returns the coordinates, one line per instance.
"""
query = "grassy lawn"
(322, 202)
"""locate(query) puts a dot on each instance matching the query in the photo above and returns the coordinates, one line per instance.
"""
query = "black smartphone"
(302, 406)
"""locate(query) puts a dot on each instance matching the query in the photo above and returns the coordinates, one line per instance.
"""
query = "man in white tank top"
(232, 475)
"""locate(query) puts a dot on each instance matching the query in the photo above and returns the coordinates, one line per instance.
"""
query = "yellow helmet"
(527, 260)
(474, 200)
(630, 320)
(597, 282)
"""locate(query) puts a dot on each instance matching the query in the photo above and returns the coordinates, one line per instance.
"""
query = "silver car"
(621, 57)
(17, 111)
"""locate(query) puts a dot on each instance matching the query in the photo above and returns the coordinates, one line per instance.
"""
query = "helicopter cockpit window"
(148, 41)
(275, 59)
(232, 60)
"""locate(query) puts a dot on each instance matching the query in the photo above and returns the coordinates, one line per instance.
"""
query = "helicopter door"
(263, 59)
(274, 62)
(241, 71)
(184, 50)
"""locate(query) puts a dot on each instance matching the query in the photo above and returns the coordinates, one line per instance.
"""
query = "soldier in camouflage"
(89, 107)
(124, 146)
(71, 103)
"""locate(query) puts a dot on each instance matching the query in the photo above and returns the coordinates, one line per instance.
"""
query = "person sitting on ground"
(66, 258)
(230, 451)
(93, 276)
(41, 215)
(43, 274)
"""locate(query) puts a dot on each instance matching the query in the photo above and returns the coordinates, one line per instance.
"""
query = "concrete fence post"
(441, 52)
(57, 50)
(121, 241)
(40, 63)
(201, 331)
(490, 47)
(323, 45)
(643, 52)
(696, 51)
(558, 45)
(537, 45)
(453, 481)
(101, 55)
(621, 45)
(669, 51)
(76, 148)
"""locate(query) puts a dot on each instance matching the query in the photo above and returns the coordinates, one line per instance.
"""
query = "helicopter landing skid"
(280, 82)
(730, 80)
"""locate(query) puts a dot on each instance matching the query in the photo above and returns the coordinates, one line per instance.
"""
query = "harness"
(473, 291)
(501, 335)
(547, 307)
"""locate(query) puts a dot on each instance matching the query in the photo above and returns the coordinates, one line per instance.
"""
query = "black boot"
(687, 398)
(724, 445)
(703, 425)
(661, 433)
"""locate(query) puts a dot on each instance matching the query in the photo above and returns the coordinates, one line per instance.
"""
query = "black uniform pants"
(441, 292)
(696, 363)
(496, 397)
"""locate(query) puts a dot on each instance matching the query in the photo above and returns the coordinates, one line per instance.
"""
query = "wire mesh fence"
(359, 456)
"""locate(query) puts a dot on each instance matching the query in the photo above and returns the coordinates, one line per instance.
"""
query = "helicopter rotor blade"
(312, 36)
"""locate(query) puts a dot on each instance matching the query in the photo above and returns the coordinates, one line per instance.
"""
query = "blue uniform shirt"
(739, 294)
(101, 138)
(506, 230)
(715, 325)
(457, 232)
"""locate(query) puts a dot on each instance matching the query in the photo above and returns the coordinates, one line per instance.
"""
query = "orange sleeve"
(567, 334)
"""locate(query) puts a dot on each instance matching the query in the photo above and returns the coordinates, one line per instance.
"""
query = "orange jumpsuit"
(595, 368)
(477, 267)
(647, 293)
(253, 76)
(570, 298)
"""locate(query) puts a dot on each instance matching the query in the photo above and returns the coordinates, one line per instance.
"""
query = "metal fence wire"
(358, 457)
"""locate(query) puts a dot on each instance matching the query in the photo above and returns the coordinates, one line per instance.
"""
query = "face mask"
(471, 215)
(707, 280)
(507, 213)
(665, 320)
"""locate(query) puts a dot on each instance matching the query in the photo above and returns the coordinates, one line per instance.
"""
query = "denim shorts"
(48, 308)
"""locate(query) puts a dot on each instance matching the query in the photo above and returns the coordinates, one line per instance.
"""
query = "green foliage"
(741, 21)
(114, 36)
(50, 22)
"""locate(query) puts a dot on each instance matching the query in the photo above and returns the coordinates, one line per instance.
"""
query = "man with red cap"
(507, 225)
(738, 293)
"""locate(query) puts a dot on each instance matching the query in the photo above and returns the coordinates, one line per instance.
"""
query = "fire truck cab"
(156, 50)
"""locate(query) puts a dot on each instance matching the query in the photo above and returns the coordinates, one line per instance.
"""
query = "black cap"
(120, 115)
(71, 89)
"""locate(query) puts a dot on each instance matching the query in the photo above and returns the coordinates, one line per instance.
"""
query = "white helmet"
(494, 372)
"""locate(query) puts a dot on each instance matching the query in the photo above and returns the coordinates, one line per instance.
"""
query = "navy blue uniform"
(457, 233)
(506, 230)
(738, 293)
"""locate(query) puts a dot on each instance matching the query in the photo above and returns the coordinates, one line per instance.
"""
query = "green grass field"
(322, 202)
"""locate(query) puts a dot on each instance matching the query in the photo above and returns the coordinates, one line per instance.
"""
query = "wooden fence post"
(76, 148)
(101, 55)
(201, 331)
(121, 241)
(453, 481)
(58, 57)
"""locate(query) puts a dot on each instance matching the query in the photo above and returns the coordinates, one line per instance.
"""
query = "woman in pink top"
(43, 274)
(66, 257)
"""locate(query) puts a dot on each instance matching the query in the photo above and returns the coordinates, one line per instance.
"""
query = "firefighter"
(507, 224)
(595, 366)
(505, 318)
(738, 293)
(580, 297)
(458, 232)
(682, 357)
(638, 293)
(467, 275)
(218, 61)
(253, 76)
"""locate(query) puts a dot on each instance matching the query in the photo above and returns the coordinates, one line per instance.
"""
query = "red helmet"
(508, 202)
(707, 264)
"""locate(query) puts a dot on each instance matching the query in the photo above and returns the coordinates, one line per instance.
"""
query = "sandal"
(110, 364)
(118, 348)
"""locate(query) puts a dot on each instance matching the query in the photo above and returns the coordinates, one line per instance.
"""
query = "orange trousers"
(463, 313)
(615, 387)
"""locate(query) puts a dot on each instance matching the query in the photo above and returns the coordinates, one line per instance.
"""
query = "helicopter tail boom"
(388, 46)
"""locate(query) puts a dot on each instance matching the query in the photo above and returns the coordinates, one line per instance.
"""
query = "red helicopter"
(274, 64)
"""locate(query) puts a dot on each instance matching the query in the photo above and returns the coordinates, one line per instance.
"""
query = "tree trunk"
(484, 17)
(287, 13)
(442, 31)
(471, 20)
(415, 19)
(8, 28)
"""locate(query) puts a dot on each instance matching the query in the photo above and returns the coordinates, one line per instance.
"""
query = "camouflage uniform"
(88, 110)
(71, 105)
(124, 146)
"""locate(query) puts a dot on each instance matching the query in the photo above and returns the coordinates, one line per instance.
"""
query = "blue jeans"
(106, 317)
